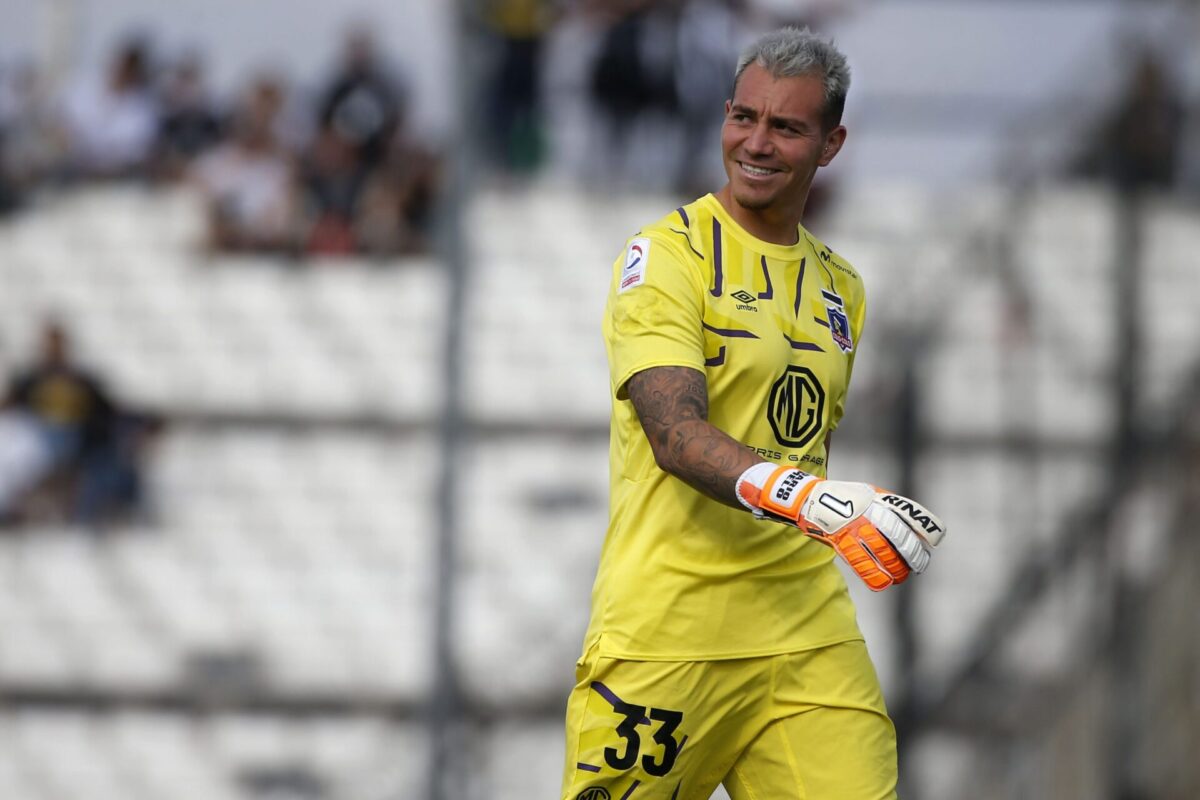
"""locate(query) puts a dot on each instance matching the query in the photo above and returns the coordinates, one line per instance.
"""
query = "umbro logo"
(744, 299)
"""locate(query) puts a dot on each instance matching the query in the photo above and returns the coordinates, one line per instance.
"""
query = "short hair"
(792, 52)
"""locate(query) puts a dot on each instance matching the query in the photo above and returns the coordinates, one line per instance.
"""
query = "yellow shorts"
(800, 726)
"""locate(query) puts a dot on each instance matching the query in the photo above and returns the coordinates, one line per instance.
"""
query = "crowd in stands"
(670, 62)
(335, 168)
(334, 173)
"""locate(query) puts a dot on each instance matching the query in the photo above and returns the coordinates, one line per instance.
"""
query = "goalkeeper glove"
(882, 536)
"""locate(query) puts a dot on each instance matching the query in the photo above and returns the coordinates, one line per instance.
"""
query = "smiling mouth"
(756, 172)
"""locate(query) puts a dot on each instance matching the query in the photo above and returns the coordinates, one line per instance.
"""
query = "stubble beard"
(753, 202)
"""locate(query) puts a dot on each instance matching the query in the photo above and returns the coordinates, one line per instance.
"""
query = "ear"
(728, 105)
(833, 144)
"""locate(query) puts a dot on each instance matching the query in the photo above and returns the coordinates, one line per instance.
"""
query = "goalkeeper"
(723, 645)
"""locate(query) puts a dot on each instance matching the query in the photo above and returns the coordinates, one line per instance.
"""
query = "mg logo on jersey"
(594, 793)
(796, 406)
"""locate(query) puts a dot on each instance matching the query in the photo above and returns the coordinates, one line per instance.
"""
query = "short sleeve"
(654, 314)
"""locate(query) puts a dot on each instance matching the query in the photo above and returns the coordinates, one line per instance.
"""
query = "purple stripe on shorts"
(629, 791)
(587, 767)
(609, 695)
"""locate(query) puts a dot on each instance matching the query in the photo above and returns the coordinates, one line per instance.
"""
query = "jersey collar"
(781, 252)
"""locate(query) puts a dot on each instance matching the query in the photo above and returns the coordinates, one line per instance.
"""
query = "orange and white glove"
(882, 536)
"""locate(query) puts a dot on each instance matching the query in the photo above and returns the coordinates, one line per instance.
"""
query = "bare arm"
(672, 404)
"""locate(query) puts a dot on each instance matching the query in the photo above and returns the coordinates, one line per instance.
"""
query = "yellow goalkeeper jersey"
(774, 329)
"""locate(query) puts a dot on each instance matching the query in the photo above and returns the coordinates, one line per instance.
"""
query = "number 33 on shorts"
(621, 746)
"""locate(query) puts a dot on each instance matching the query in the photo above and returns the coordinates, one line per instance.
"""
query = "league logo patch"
(839, 323)
(634, 271)
(594, 793)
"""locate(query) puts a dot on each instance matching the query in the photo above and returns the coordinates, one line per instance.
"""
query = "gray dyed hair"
(791, 52)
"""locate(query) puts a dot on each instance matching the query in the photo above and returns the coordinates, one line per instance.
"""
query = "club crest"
(839, 323)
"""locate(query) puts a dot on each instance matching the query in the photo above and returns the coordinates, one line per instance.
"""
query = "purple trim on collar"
(718, 277)
(799, 284)
(770, 292)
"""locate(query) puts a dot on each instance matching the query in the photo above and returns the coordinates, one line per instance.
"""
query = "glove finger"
(866, 563)
(882, 550)
(919, 519)
(911, 547)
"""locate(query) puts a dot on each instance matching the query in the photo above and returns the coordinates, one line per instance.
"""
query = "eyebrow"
(743, 109)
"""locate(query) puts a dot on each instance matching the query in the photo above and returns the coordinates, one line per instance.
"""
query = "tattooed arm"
(672, 404)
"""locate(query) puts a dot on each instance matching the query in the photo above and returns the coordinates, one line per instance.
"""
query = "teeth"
(756, 170)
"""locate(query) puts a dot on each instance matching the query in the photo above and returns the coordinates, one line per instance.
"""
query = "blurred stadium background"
(323, 266)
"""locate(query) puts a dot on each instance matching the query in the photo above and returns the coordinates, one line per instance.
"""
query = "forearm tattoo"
(672, 404)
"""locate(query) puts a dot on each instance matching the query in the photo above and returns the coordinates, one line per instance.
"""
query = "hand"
(882, 536)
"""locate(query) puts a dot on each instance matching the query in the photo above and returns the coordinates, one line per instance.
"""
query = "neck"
(772, 225)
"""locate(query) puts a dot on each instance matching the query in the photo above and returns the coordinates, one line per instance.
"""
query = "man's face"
(773, 140)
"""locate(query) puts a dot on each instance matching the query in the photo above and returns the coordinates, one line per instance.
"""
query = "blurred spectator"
(249, 182)
(75, 445)
(1138, 144)
(25, 459)
(30, 150)
(332, 178)
(190, 123)
(634, 74)
(514, 89)
(711, 36)
(363, 103)
(398, 204)
(111, 120)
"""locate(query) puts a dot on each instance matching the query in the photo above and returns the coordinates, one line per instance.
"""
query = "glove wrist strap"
(750, 485)
(771, 490)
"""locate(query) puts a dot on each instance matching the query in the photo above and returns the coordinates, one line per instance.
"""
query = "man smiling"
(723, 646)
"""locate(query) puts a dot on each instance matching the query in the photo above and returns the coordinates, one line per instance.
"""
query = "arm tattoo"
(672, 404)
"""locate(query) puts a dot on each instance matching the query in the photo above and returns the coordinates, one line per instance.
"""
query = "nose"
(758, 143)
